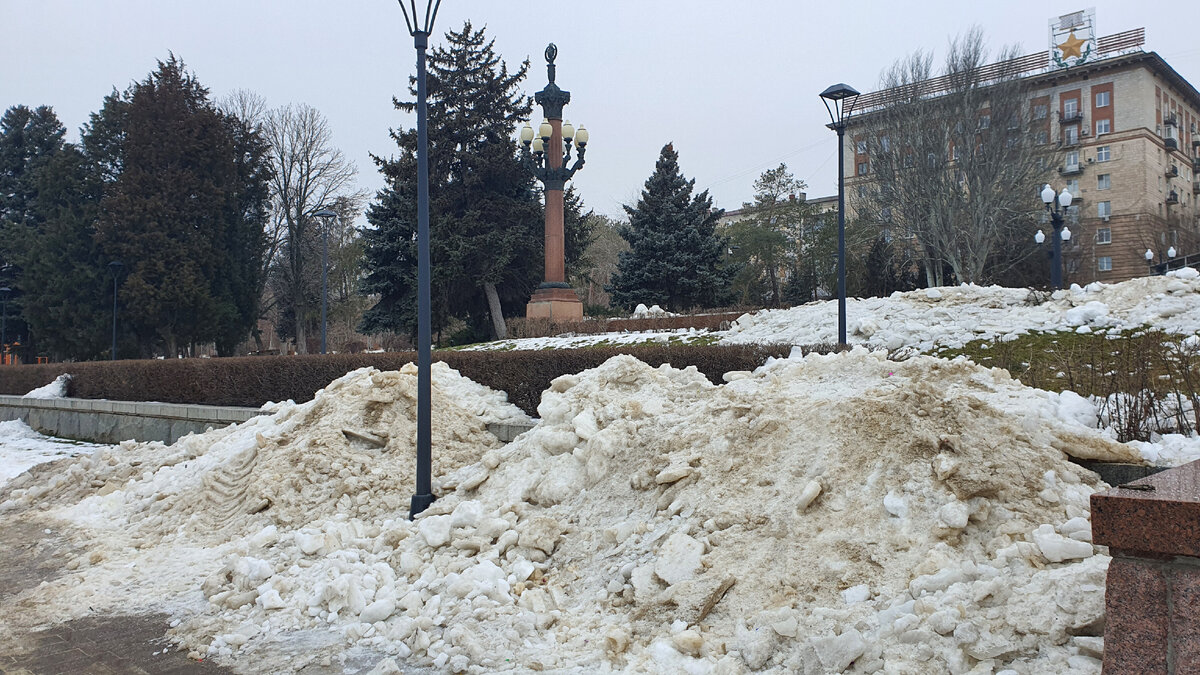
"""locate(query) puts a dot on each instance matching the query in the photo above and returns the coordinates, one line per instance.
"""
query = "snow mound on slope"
(820, 514)
(952, 316)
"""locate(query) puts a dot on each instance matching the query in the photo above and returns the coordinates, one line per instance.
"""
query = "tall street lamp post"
(114, 268)
(420, 29)
(4, 293)
(551, 151)
(843, 97)
(1057, 208)
(326, 217)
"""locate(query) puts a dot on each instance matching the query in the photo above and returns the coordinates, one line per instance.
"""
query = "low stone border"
(103, 421)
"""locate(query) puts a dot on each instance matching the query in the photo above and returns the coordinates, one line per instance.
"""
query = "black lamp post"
(4, 293)
(325, 215)
(843, 97)
(114, 268)
(420, 29)
(1057, 208)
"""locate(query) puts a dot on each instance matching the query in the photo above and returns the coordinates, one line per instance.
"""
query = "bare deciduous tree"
(309, 173)
(955, 161)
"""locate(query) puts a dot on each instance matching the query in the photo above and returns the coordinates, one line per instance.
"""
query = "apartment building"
(1127, 129)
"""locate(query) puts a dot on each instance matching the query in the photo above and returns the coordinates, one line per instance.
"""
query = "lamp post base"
(556, 304)
(419, 504)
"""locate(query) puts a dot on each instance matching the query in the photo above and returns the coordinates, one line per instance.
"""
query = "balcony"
(1071, 169)
(1196, 164)
(1171, 143)
(1068, 142)
(1196, 187)
(1071, 117)
(1172, 197)
(1172, 171)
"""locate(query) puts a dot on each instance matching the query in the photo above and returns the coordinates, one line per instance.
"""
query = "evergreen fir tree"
(182, 209)
(485, 217)
(30, 139)
(675, 255)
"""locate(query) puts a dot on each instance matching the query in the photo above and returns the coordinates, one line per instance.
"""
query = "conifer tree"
(675, 256)
(486, 233)
(30, 140)
(182, 209)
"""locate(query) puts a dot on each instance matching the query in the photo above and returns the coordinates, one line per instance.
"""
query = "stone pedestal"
(556, 304)
(1152, 596)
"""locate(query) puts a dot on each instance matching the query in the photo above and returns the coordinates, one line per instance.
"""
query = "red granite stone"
(1163, 517)
(1137, 624)
(1185, 619)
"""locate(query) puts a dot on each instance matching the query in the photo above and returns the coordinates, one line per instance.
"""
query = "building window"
(1104, 235)
(1042, 137)
(1040, 112)
(1071, 135)
(1070, 107)
(1103, 153)
(985, 121)
(1103, 127)
(886, 144)
(862, 168)
(1073, 160)
(862, 147)
(1103, 99)
(1103, 181)
(1073, 187)
(1104, 263)
(1104, 209)
(954, 153)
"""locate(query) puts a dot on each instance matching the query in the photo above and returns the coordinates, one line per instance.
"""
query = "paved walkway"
(99, 645)
(33, 551)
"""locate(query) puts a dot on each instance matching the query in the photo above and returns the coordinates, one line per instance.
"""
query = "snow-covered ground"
(22, 448)
(824, 513)
(942, 317)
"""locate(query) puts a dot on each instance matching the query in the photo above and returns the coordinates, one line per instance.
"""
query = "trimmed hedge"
(254, 380)
(532, 328)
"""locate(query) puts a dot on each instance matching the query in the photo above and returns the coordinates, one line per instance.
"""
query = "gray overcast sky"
(733, 84)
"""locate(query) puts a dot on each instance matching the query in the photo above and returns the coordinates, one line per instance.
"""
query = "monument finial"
(551, 54)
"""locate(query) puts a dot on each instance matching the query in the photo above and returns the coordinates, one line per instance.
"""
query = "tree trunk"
(499, 329)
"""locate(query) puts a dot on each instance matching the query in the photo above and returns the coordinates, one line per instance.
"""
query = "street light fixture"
(420, 27)
(843, 97)
(1056, 206)
(114, 268)
(546, 156)
(326, 216)
(1163, 263)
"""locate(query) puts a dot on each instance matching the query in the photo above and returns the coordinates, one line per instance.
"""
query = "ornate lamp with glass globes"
(1161, 267)
(1056, 206)
(546, 155)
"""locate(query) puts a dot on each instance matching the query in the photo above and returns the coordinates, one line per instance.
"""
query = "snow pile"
(952, 316)
(642, 312)
(821, 514)
(322, 457)
(56, 389)
(25, 448)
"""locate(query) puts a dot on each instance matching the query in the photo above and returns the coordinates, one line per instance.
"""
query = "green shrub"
(254, 380)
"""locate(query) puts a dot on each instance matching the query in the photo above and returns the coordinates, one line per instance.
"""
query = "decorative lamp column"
(1057, 208)
(546, 156)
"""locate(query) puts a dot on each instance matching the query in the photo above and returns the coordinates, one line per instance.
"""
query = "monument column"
(547, 155)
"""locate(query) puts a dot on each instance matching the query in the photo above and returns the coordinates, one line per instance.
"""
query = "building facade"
(1126, 127)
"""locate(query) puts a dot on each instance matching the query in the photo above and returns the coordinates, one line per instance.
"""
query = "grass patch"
(1143, 380)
